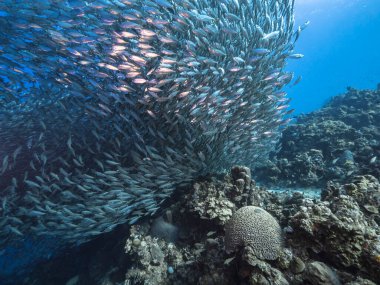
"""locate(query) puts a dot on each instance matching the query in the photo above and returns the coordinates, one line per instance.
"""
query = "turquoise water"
(341, 48)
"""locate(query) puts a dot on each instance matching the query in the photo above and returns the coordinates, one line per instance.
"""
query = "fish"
(298, 80)
(296, 56)
(271, 35)
(261, 51)
(106, 107)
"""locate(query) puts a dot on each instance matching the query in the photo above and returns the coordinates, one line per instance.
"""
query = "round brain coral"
(253, 226)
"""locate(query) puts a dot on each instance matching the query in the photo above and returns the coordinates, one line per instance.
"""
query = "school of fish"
(107, 106)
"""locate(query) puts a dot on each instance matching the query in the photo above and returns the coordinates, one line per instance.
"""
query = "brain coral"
(253, 226)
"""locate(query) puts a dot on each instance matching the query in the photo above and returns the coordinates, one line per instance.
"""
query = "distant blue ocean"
(341, 47)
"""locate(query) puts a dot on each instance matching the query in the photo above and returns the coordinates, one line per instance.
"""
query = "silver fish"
(110, 105)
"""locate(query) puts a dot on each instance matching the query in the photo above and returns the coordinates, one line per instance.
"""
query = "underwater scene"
(205, 142)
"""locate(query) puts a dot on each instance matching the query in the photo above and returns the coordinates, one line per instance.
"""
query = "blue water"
(341, 47)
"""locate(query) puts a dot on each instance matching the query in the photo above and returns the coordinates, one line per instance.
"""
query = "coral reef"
(331, 240)
(336, 142)
(337, 230)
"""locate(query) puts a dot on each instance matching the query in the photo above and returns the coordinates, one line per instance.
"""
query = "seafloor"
(322, 187)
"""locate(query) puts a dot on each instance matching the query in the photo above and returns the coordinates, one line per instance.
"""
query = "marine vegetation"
(106, 107)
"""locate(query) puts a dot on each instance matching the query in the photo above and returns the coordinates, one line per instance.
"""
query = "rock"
(371, 209)
(73, 281)
(297, 265)
(264, 274)
(361, 281)
(241, 172)
(338, 231)
(318, 273)
(285, 258)
(208, 202)
(366, 192)
(156, 254)
(164, 230)
(346, 158)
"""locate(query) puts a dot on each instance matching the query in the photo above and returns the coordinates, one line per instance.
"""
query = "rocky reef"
(331, 240)
(339, 141)
(228, 229)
